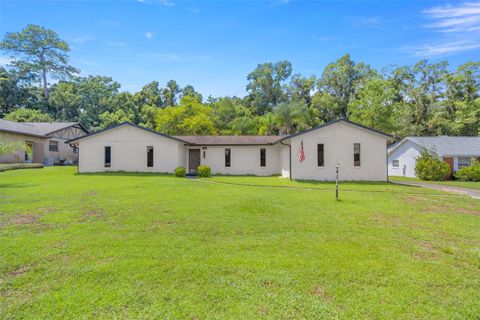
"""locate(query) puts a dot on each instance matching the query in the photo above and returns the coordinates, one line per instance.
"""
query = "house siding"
(129, 151)
(338, 140)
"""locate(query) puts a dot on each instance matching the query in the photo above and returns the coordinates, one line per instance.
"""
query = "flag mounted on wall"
(301, 153)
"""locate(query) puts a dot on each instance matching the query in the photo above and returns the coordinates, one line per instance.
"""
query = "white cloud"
(5, 60)
(464, 17)
(440, 49)
(149, 35)
(81, 39)
(116, 44)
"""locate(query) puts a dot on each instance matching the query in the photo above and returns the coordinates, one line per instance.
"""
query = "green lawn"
(453, 183)
(155, 246)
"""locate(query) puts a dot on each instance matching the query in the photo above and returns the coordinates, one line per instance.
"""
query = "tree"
(343, 79)
(300, 88)
(265, 85)
(289, 116)
(327, 106)
(28, 115)
(16, 90)
(374, 106)
(65, 101)
(170, 93)
(109, 119)
(189, 91)
(42, 51)
(189, 118)
(268, 124)
(13, 147)
(150, 94)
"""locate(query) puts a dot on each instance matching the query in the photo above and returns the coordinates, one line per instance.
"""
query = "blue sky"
(213, 45)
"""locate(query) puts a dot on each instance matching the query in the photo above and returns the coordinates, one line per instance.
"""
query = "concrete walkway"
(463, 191)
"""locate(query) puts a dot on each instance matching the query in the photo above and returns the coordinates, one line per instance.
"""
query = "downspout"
(289, 158)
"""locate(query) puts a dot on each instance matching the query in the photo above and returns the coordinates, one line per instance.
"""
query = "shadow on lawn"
(17, 185)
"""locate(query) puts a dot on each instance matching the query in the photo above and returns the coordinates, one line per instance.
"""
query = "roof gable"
(126, 123)
(388, 136)
(445, 145)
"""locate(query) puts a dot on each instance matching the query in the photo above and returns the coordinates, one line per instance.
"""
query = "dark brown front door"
(193, 159)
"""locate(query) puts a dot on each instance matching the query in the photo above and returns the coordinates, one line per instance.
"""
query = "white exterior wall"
(129, 151)
(407, 154)
(243, 160)
(338, 140)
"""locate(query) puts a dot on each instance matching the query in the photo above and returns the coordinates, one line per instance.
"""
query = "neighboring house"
(45, 139)
(361, 152)
(456, 151)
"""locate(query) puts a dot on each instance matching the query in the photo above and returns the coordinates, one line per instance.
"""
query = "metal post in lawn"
(336, 183)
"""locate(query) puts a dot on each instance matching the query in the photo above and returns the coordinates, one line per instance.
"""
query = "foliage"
(17, 166)
(430, 168)
(180, 172)
(422, 99)
(28, 115)
(41, 52)
(10, 147)
(189, 118)
(470, 173)
(204, 171)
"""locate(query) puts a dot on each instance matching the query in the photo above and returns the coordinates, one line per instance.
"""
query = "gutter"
(289, 158)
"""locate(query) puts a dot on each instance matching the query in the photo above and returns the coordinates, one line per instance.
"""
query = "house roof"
(337, 121)
(230, 140)
(123, 124)
(445, 145)
(38, 129)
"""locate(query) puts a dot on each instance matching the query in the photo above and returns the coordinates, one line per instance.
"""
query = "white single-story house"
(360, 152)
(456, 151)
(45, 141)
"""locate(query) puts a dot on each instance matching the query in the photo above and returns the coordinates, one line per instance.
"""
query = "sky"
(213, 45)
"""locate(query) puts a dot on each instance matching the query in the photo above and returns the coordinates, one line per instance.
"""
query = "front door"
(193, 159)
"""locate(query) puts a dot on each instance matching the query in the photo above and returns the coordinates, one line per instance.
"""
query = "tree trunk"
(45, 85)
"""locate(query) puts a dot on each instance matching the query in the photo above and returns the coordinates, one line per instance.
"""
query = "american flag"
(301, 152)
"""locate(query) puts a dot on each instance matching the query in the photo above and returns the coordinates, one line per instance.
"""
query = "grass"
(152, 246)
(15, 166)
(452, 183)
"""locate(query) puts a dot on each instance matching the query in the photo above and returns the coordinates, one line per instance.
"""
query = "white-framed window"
(395, 164)
(463, 162)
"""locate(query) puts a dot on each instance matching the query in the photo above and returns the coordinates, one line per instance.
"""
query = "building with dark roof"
(46, 141)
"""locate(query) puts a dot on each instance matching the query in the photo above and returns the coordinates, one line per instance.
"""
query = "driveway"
(463, 191)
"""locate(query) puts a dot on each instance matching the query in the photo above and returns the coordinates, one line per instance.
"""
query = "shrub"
(180, 172)
(15, 166)
(204, 171)
(430, 168)
(470, 173)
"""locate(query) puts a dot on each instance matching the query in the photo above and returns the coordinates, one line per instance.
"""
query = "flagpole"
(336, 183)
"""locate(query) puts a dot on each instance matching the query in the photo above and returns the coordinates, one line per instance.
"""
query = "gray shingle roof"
(448, 146)
(231, 140)
(41, 129)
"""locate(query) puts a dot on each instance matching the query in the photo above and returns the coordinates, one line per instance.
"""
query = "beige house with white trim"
(45, 139)
(360, 152)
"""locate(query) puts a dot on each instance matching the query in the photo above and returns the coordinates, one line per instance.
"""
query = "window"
(395, 163)
(53, 146)
(228, 155)
(108, 157)
(149, 156)
(463, 162)
(204, 154)
(263, 157)
(320, 155)
(356, 154)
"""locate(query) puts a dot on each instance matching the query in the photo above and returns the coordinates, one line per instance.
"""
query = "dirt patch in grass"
(445, 208)
(92, 215)
(23, 219)
(320, 292)
(19, 271)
